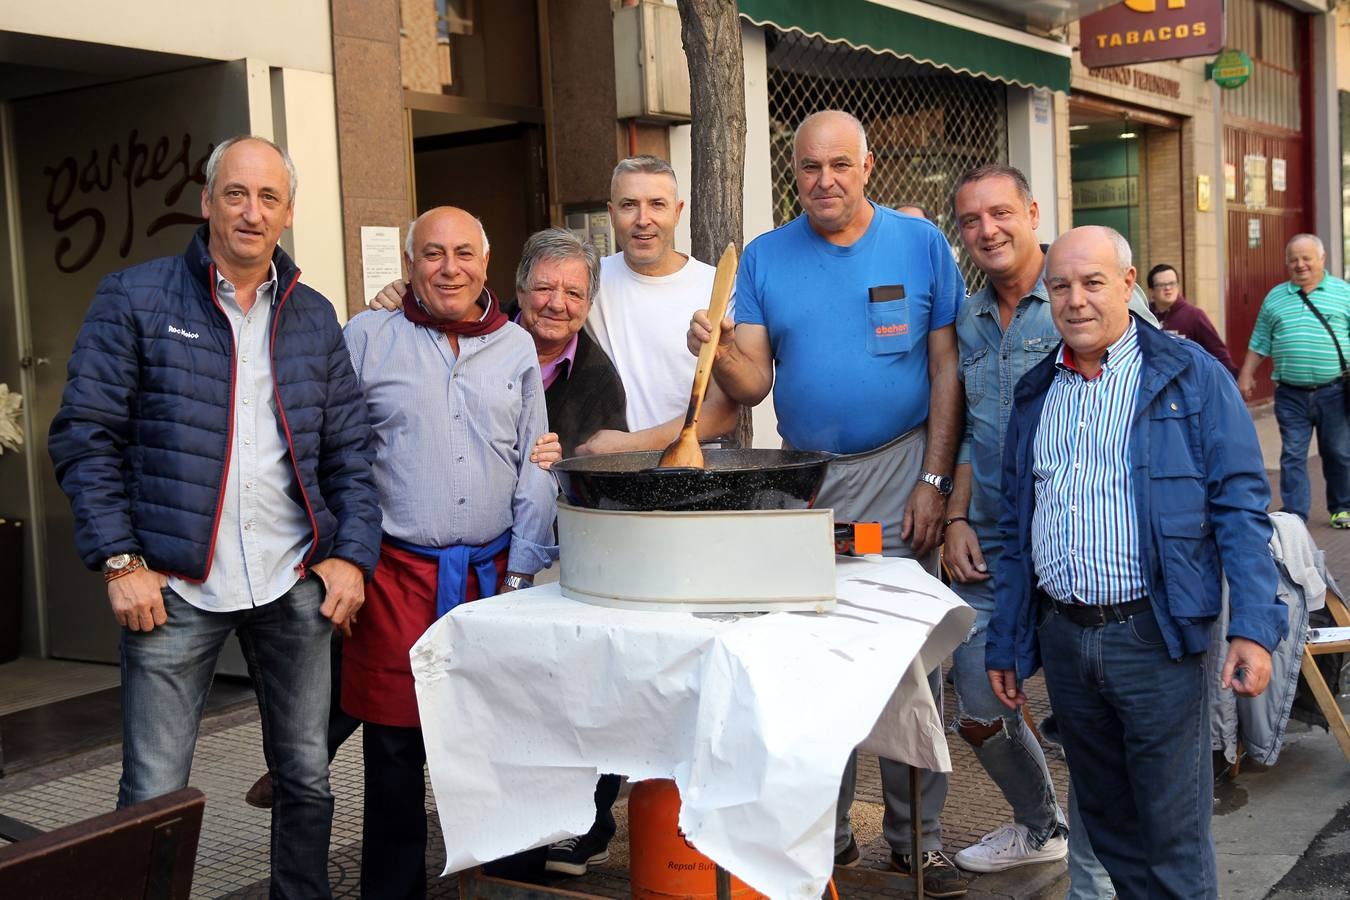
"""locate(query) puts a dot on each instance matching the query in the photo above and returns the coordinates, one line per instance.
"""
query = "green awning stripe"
(869, 26)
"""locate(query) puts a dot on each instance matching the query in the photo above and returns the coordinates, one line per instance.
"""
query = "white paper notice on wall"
(1277, 174)
(380, 258)
(1040, 106)
(1254, 232)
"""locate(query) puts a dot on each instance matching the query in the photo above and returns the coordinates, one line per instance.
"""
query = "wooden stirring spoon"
(684, 451)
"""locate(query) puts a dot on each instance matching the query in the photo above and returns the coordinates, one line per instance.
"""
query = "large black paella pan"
(732, 479)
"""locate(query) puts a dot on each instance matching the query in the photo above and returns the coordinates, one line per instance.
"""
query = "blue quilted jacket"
(142, 440)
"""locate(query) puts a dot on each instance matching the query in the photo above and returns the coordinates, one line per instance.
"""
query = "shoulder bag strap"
(1327, 325)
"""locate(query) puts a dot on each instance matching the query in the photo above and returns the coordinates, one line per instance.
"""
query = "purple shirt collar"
(549, 371)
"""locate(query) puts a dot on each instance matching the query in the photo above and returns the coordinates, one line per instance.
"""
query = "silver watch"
(517, 582)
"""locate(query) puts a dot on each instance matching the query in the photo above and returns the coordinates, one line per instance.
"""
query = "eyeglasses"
(1164, 285)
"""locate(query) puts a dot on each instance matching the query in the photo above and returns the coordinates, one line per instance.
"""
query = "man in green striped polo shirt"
(1309, 353)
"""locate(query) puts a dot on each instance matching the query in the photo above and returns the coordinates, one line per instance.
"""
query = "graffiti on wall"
(83, 193)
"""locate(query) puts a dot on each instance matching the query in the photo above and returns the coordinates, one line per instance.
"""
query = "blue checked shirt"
(1084, 534)
(453, 435)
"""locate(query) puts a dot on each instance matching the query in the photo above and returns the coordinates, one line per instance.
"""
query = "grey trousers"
(875, 487)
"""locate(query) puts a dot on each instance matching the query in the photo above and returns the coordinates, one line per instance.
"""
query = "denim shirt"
(992, 362)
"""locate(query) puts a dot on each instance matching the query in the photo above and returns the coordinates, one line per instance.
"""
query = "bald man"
(850, 307)
(456, 401)
(1132, 480)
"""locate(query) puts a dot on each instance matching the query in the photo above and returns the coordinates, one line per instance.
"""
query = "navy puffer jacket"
(142, 439)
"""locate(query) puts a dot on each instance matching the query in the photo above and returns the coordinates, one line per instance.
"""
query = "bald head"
(447, 252)
(1305, 258)
(1089, 277)
(832, 165)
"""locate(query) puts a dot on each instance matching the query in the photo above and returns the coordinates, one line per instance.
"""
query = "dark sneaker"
(940, 877)
(260, 795)
(849, 856)
(572, 856)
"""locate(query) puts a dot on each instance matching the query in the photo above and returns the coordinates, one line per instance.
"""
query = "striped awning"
(898, 27)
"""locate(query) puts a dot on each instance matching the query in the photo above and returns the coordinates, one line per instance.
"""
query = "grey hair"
(646, 164)
(1124, 255)
(557, 245)
(995, 170)
(213, 162)
(848, 117)
(412, 227)
(1317, 242)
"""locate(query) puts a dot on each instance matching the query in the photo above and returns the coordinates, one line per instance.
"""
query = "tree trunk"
(712, 43)
(711, 31)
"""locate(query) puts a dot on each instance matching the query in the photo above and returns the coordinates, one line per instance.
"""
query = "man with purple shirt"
(1177, 316)
(556, 281)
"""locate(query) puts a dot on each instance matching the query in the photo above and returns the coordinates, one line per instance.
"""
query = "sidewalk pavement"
(1265, 820)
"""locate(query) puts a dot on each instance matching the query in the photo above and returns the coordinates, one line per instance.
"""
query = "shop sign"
(1230, 69)
(1138, 31)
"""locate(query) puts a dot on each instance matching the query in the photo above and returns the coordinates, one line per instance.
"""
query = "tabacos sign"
(1137, 31)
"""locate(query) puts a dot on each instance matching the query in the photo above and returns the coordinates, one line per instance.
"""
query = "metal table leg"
(916, 832)
(723, 884)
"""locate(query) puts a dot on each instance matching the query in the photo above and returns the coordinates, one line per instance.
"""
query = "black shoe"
(260, 795)
(849, 856)
(940, 877)
(572, 856)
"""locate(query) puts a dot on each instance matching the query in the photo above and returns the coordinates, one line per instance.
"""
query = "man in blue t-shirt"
(851, 308)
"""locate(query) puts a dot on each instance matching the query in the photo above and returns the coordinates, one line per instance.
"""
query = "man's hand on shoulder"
(961, 551)
(390, 296)
(137, 599)
(922, 525)
(344, 587)
(547, 450)
(1246, 669)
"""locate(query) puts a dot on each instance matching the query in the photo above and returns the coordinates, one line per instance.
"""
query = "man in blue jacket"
(1132, 480)
(215, 447)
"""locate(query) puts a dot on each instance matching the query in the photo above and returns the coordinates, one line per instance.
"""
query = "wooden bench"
(1326, 700)
(147, 850)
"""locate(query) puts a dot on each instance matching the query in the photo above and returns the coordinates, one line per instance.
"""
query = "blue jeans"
(1136, 735)
(1299, 412)
(166, 674)
(1011, 756)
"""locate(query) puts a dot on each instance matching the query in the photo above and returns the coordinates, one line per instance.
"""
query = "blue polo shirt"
(850, 373)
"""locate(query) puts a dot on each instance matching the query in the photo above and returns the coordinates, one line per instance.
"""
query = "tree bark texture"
(711, 31)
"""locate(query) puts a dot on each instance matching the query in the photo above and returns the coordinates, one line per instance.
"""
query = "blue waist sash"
(452, 567)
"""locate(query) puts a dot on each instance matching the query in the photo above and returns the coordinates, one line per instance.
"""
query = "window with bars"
(925, 126)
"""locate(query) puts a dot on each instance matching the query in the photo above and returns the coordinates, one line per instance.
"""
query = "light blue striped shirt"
(1084, 534)
(263, 532)
(453, 436)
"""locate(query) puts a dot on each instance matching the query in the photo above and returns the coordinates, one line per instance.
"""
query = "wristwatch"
(122, 561)
(517, 582)
(942, 483)
(114, 567)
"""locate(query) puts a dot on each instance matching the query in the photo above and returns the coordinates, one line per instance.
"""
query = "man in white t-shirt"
(636, 319)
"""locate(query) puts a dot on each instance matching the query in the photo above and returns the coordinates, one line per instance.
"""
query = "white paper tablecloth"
(526, 697)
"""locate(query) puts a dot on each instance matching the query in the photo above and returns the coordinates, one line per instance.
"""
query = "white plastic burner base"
(758, 561)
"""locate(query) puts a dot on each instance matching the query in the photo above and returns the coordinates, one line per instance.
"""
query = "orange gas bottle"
(662, 864)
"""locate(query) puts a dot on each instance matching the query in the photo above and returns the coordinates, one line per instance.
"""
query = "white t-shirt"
(641, 322)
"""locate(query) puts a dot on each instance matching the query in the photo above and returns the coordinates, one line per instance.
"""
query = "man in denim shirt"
(1004, 329)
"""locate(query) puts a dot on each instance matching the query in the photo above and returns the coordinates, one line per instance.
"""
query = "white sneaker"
(1009, 847)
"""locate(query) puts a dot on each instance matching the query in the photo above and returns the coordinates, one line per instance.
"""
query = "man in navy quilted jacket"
(216, 451)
